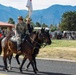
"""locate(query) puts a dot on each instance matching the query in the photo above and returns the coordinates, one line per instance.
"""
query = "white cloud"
(37, 4)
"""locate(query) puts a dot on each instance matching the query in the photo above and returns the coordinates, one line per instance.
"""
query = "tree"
(68, 21)
(44, 25)
(32, 23)
(38, 24)
(11, 21)
(53, 27)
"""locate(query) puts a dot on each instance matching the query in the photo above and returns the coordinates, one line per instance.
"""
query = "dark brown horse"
(27, 48)
(41, 37)
(11, 47)
(37, 48)
(38, 42)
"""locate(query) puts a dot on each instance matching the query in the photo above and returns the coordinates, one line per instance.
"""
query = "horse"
(11, 47)
(36, 51)
(27, 50)
(37, 47)
(41, 38)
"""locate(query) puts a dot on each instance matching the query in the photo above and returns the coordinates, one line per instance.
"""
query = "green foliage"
(53, 28)
(38, 24)
(44, 25)
(32, 23)
(68, 21)
(11, 21)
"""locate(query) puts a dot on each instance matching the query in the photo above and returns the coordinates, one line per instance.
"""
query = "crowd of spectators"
(71, 35)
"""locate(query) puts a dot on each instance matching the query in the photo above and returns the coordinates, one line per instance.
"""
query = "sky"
(37, 4)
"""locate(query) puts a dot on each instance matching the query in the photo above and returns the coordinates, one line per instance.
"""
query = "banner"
(29, 6)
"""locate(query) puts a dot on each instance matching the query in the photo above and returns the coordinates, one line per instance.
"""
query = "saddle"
(13, 38)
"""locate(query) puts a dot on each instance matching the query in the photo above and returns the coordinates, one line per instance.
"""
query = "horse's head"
(44, 36)
(40, 37)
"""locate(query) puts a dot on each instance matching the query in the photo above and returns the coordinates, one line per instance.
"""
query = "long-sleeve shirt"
(21, 28)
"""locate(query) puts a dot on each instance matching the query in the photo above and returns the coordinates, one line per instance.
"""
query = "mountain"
(51, 15)
(7, 12)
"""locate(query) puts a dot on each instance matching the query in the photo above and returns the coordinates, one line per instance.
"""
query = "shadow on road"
(50, 73)
(15, 71)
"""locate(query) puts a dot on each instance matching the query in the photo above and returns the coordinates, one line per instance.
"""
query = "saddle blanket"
(14, 38)
(4, 40)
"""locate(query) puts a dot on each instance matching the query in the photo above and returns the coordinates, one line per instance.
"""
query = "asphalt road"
(46, 67)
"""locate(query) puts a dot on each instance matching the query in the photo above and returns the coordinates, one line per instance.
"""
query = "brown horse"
(37, 48)
(37, 45)
(11, 47)
(27, 48)
(41, 37)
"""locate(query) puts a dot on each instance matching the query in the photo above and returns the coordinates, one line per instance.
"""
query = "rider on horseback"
(20, 31)
(29, 26)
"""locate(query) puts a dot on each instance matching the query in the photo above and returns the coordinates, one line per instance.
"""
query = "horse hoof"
(27, 69)
(36, 69)
(5, 69)
(35, 72)
(21, 71)
(10, 68)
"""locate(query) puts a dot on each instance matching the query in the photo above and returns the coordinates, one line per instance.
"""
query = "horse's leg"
(17, 59)
(35, 64)
(9, 58)
(28, 65)
(32, 63)
(24, 59)
(4, 58)
(5, 63)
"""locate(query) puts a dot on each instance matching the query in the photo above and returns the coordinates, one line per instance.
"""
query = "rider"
(29, 26)
(9, 34)
(20, 30)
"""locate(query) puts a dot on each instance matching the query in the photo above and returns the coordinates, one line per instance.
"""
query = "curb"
(60, 60)
(54, 59)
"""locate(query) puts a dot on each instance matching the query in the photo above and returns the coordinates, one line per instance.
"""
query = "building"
(4, 24)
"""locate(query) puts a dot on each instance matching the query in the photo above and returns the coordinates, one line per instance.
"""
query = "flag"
(29, 6)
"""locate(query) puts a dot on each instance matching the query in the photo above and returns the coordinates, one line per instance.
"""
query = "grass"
(63, 43)
(59, 49)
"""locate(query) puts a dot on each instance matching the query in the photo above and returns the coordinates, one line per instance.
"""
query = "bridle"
(41, 38)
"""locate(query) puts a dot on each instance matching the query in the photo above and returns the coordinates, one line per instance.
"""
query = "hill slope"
(51, 15)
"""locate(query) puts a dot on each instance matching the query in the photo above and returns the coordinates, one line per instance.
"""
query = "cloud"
(37, 4)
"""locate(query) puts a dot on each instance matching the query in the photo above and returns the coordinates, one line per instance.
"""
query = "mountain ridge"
(50, 15)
